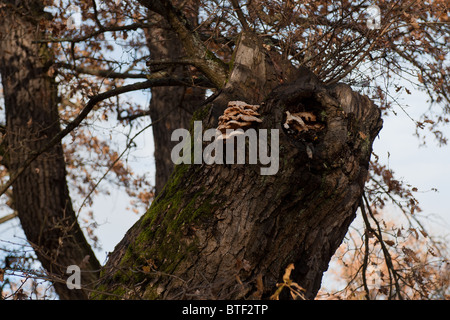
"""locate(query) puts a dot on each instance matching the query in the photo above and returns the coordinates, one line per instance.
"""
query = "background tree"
(332, 40)
(173, 105)
(40, 194)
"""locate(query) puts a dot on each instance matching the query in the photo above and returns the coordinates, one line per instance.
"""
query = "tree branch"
(8, 217)
(378, 234)
(132, 26)
(83, 114)
(102, 73)
(97, 21)
(205, 60)
(366, 252)
(240, 15)
(169, 62)
(131, 117)
(128, 146)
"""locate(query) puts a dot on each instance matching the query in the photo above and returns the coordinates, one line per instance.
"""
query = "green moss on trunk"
(166, 231)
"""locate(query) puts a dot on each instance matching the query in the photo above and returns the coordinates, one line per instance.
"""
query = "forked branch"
(83, 114)
(204, 59)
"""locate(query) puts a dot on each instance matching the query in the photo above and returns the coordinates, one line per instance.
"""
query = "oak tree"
(213, 230)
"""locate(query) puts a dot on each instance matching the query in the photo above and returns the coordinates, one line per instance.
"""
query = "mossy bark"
(220, 231)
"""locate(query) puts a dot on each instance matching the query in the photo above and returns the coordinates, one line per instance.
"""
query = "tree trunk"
(170, 107)
(41, 195)
(228, 232)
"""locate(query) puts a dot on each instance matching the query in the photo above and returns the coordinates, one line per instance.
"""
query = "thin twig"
(387, 255)
(8, 217)
(366, 250)
(129, 144)
(240, 15)
(76, 122)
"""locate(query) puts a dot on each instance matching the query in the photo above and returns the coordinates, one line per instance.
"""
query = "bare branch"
(83, 114)
(169, 62)
(102, 73)
(131, 117)
(366, 254)
(205, 60)
(132, 26)
(378, 234)
(127, 147)
(8, 217)
(240, 15)
(97, 21)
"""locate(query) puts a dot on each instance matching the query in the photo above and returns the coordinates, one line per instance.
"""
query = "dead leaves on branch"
(295, 290)
(384, 188)
(390, 261)
(391, 257)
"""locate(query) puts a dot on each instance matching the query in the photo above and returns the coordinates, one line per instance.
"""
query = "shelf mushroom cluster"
(302, 121)
(238, 115)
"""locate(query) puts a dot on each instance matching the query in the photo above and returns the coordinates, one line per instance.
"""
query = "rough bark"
(228, 232)
(41, 195)
(170, 107)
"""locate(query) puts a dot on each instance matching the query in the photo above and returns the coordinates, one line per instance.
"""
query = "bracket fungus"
(238, 115)
(302, 121)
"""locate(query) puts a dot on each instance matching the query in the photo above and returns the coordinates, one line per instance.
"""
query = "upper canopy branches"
(206, 61)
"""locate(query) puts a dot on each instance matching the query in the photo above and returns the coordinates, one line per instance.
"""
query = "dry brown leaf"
(411, 254)
(146, 269)
(259, 287)
(423, 233)
(287, 273)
